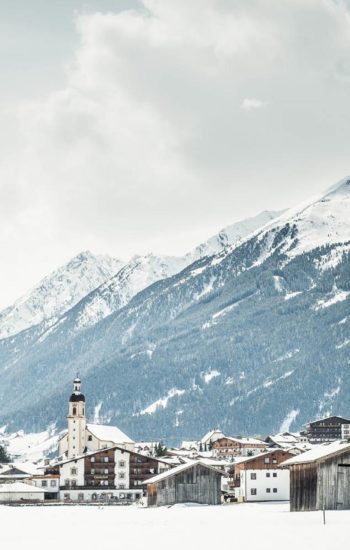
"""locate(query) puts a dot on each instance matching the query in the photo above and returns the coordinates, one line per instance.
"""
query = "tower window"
(74, 410)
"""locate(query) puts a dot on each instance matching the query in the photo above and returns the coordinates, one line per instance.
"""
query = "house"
(17, 472)
(193, 481)
(285, 440)
(327, 429)
(259, 478)
(207, 441)
(50, 483)
(82, 437)
(112, 474)
(320, 478)
(233, 446)
(20, 492)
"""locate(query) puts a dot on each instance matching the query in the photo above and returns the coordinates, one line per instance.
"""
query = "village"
(99, 464)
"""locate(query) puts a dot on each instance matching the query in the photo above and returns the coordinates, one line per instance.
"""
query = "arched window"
(74, 410)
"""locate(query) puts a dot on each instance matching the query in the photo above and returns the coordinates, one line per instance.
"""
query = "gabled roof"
(181, 468)
(108, 433)
(319, 453)
(210, 434)
(92, 453)
(241, 460)
(19, 487)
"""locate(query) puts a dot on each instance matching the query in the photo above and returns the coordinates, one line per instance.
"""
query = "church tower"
(76, 422)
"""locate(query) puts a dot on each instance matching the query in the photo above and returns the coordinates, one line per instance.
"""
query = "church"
(82, 437)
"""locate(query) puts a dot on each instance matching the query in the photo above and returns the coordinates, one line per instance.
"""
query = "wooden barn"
(190, 482)
(320, 478)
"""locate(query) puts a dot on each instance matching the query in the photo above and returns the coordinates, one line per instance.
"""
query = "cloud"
(147, 146)
(251, 104)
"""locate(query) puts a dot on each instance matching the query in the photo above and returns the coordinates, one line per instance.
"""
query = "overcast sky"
(133, 126)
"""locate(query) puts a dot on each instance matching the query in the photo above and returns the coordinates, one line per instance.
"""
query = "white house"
(259, 478)
(21, 492)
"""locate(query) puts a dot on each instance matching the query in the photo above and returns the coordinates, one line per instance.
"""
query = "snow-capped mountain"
(250, 339)
(143, 271)
(58, 292)
(232, 234)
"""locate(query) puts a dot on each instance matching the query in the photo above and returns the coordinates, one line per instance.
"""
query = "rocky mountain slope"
(58, 292)
(249, 339)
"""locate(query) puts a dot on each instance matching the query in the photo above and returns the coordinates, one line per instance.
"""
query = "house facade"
(112, 474)
(260, 478)
(327, 429)
(225, 447)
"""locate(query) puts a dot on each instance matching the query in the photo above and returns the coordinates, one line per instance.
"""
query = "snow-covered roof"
(319, 452)
(173, 471)
(19, 487)
(108, 433)
(241, 459)
(209, 436)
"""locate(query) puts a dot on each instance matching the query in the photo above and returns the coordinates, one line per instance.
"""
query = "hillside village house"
(233, 446)
(259, 478)
(320, 478)
(326, 429)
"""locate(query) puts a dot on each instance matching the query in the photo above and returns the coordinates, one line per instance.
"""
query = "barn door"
(343, 487)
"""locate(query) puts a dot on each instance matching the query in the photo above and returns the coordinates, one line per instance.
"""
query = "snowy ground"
(247, 526)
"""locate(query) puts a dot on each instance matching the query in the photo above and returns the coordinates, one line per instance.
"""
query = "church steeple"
(76, 421)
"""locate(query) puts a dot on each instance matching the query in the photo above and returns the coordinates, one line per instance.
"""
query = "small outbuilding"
(191, 482)
(320, 478)
(19, 492)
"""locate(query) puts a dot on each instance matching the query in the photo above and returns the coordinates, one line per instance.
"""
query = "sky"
(136, 126)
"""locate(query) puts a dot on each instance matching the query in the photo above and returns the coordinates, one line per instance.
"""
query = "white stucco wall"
(17, 497)
(262, 482)
(66, 471)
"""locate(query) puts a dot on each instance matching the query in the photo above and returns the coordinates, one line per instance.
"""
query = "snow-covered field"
(247, 526)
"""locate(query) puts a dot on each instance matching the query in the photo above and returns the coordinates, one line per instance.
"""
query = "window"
(253, 492)
(274, 490)
(74, 482)
(67, 482)
(74, 411)
(73, 471)
(105, 459)
(268, 474)
(92, 471)
(274, 474)
(105, 471)
(252, 476)
(90, 438)
(53, 483)
(66, 496)
(81, 496)
(268, 490)
(274, 460)
(121, 475)
(267, 460)
(44, 483)
(92, 459)
(121, 464)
